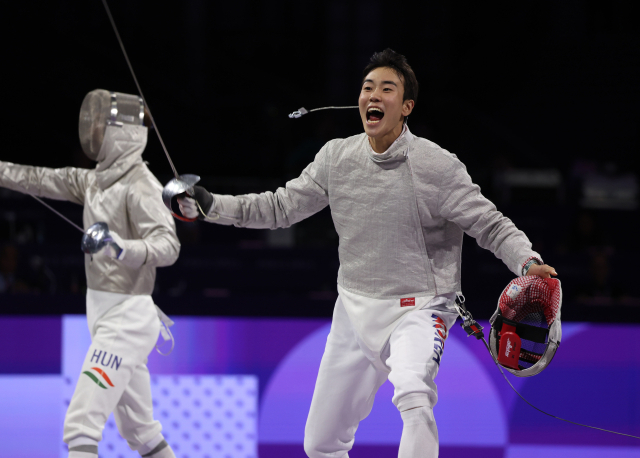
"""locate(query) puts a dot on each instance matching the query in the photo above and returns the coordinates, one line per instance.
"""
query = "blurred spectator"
(36, 277)
(9, 279)
(41, 278)
(78, 284)
(581, 168)
(610, 189)
(586, 233)
(599, 288)
(602, 287)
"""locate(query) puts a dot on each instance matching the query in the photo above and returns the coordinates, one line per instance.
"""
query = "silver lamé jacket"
(400, 215)
(120, 191)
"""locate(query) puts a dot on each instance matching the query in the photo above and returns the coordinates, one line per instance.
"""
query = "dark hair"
(398, 63)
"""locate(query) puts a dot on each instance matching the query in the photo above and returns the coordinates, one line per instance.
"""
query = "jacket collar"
(121, 150)
(396, 152)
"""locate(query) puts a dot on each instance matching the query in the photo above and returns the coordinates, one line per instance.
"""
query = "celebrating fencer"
(139, 235)
(400, 205)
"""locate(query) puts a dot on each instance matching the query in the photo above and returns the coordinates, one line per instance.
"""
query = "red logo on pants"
(407, 301)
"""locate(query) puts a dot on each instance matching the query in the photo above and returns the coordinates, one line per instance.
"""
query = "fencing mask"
(525, 329)
(102, 108)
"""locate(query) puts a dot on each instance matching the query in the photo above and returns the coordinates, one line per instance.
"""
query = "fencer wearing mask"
(123, 320)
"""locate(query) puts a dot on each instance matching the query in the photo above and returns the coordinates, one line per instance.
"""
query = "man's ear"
(407, 107)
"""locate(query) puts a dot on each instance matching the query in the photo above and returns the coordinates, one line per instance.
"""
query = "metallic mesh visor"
(102, 108)
(532, 306)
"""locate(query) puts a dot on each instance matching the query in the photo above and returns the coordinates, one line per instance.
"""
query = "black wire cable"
(542, 411)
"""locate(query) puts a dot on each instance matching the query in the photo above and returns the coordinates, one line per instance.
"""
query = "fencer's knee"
(315, 448)
(413, 401)
(311, 448)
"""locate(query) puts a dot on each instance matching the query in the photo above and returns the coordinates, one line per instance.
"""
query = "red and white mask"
(526, 329)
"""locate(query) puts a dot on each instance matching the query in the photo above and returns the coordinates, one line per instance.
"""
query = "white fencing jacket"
(400, 215)
(120, 191)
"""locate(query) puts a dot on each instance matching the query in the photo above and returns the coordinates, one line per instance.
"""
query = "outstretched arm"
(68, 183)
(461, 201)
(299, 199)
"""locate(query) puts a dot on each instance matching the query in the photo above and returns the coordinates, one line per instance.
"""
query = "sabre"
(93, 239)
(180, 183)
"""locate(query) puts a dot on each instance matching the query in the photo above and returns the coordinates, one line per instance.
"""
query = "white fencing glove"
(189, 207)
(132, 253)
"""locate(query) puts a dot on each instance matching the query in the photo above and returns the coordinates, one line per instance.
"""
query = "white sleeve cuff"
(134, 253)
(529, 262)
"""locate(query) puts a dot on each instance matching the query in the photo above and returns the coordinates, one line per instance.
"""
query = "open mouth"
(374, 115)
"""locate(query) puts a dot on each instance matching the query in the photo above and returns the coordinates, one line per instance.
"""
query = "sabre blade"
(135, 79)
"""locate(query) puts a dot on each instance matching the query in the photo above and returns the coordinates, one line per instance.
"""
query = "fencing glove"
(188, 205)
(132, 253)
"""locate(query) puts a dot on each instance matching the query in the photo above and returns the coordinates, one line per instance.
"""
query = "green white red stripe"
(93, 377)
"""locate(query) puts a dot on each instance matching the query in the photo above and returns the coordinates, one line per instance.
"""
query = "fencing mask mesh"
(526, 329)
(102, 108)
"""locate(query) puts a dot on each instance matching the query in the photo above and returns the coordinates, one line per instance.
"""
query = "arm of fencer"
(68, 183)
(158, 244)
(461, 201)
(299, 199)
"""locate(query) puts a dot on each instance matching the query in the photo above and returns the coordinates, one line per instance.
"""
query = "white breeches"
(114, 376)
(350, 375)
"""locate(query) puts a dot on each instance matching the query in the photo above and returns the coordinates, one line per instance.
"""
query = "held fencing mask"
(102, 108)
(525, 329)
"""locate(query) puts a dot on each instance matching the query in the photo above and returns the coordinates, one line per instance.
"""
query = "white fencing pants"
(114, 376)
(348, 380)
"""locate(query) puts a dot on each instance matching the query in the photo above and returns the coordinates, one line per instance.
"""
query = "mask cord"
(540, 410)
(303, 111)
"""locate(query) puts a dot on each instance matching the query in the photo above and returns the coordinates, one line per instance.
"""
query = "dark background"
(539, 99)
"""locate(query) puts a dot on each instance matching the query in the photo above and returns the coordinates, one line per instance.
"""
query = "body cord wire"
(542, 411)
